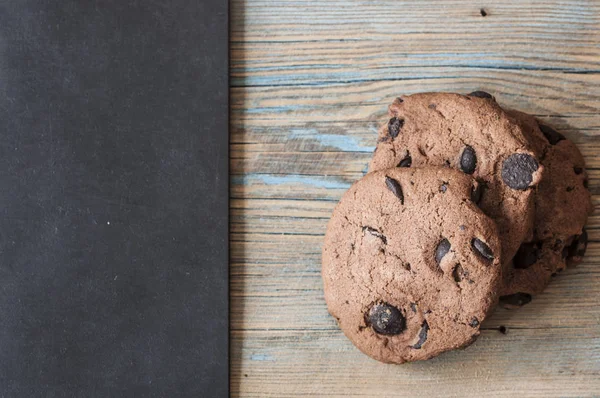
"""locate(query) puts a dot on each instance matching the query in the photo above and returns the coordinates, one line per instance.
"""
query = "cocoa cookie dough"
(562, 205)
(473, 134)
(411, 265)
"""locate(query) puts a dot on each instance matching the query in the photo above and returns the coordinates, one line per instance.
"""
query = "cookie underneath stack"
(465, 205)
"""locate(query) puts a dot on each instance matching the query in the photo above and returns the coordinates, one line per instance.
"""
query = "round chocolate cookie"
(411, 265)
(473, 134)
(562, 205)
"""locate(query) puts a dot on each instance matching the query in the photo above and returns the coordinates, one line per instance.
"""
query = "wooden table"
(310, 83)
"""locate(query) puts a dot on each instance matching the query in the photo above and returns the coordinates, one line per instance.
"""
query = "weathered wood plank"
(542, 93)
(523, 362)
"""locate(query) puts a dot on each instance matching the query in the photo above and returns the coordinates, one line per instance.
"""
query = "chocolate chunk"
(516, 300)
(422, 335)
(468, 160)
(395, 187)
(406, 162)
(481, 94)
(579, 246)
(482, 249)
(441, 250)
(376, 233)
(386, 319)
(518, 169)
(474, 322)
(477, 192)
(394, 126)
(578, 170)
(551, 135)
(527, 255)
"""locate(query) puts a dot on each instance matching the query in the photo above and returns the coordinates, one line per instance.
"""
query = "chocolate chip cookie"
(411, 265)
(473, 134)
(562, 205)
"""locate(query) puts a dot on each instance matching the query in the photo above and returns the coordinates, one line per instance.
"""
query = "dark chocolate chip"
(579, 245)
(527, 255)
(468, 160)
(422, 335)
(516, 300)
(474, 322)
(518, 169)
(570, 189)
(482, 249)
(376, 233)
(413, 307)
(444, 187)
(578, 170)
(554, 274)
(477, 192)
(441, 250)
(551, 135)
(483, 12)
(399, 99)
(446, 163)
(503, 329)
(481, 94)
(431, 106)
(394, 126)
(406, 162)
(386, 319)
(395, 187)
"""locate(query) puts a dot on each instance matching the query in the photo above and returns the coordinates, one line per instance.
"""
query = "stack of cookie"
(465, 205)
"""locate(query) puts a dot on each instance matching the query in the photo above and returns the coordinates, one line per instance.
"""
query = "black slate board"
(114, 198)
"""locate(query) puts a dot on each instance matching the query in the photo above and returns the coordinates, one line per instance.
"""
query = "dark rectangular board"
(114, 198)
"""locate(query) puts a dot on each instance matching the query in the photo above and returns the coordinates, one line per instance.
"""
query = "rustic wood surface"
(310, 82)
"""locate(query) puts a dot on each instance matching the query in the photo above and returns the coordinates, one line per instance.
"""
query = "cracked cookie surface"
(411, 265)
(473, 134)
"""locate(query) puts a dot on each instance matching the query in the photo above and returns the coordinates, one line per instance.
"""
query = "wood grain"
(310, 83)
